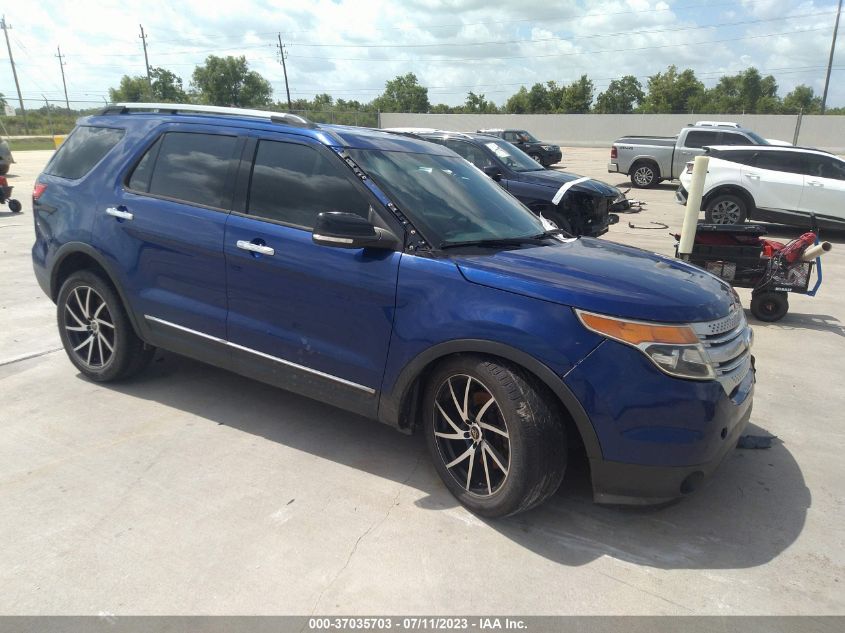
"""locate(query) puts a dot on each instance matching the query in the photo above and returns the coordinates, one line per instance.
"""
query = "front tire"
(95, 330)
(537, 158)
(495, 435)
(726, 209)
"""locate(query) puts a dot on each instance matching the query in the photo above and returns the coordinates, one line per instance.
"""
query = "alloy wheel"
(90, 327)
(471, 435)
(726, 212)
(643, 176)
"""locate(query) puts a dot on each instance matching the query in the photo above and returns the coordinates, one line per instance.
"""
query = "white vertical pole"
(699, 174)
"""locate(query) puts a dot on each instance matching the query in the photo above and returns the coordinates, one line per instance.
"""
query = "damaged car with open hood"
(576, 204)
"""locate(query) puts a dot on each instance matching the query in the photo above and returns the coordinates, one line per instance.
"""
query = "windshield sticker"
(500, 151)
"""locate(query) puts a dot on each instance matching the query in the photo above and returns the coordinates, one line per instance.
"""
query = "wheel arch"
(75, 256)
(641, 160)
(733, 190)
(402, 406)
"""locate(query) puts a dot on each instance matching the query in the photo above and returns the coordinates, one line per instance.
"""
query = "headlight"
(675, 349)
(549, 148)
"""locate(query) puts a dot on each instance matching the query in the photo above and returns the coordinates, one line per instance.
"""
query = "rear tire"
(769, 306)
(95, 329)
(498, 443)
(644, 175)
(14, 206)
(726, 209)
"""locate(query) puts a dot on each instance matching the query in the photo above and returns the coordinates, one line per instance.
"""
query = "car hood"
(604, 277)
(554, 178)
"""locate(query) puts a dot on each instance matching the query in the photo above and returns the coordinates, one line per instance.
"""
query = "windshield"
(757, 138)
(447, 198)
(513, 157)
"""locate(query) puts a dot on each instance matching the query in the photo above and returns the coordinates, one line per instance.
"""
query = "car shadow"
(746, 515)
(663, 186)
(799, 321)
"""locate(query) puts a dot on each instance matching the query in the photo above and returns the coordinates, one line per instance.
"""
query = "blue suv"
(388, 276)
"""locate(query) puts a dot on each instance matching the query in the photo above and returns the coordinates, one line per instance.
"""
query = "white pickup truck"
(651, 159)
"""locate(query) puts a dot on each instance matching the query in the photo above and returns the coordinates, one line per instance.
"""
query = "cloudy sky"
(348, 48)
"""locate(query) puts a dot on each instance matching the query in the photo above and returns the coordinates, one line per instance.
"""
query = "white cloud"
(466, 44)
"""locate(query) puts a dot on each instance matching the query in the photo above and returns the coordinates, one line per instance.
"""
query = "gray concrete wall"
(600, 130)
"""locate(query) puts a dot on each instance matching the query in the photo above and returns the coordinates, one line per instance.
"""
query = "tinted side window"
(824, 167)
(292, 183)
(511, 137)
(473, 154)
(700, 138)
(780, 161)
(82, 150)
(143, 172)
(192, 167)
(743, 158)
(732, 138)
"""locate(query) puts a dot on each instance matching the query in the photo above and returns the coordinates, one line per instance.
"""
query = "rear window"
(83, 149)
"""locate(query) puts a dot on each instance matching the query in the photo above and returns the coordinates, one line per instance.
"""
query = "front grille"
(727, 342)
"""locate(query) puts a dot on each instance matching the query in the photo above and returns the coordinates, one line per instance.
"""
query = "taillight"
(613, 153)
(3, 181)
(37, 190)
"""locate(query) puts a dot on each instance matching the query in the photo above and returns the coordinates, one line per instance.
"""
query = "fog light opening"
(692, 482)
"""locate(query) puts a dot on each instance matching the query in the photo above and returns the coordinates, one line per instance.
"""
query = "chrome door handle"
(255, 248)
(753, 176)
(118, 213)
(815, 183)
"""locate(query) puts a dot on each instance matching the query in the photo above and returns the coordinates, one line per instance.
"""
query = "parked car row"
(384, 274)
(584, 207)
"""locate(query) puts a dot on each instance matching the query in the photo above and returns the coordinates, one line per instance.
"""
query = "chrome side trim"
(276, 359)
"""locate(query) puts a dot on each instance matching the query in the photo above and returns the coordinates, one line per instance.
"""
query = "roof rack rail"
(187, 108)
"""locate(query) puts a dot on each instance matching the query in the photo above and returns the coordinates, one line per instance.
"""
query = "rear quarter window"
(85, 147)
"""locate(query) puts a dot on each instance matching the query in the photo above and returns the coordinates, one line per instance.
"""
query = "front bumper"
(613, 168)
(681, 195)
(552, 158)
(660, 437)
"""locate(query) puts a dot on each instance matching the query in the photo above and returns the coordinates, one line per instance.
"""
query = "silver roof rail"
(188, 108)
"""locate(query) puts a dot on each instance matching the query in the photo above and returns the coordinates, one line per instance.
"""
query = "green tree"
(228, 81)
(540, 99)
(745, 92)
(167, 86)
(673, 92)
(477, 103)
(577, 96)
(131, 90)
(403, 94)
(518, 103)
(621, 96)
(802, 98)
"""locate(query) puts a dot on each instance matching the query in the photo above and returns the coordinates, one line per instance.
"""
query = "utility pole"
(285, 68)
(146, 59)
(830, 61)
(62, 68)
(49, 118)
(6, 28)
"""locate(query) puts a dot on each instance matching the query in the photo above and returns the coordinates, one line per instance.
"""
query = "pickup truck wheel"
(537, 158)
(769, 306)
(726, 209)
(494, 435)
(644, 175)
(95, 330)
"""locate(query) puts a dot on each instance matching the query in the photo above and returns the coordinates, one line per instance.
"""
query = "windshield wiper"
(494, 242)
(506, 241)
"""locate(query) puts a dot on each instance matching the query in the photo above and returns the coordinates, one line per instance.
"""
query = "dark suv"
(541, 152)
(576, 204)
(387, 276)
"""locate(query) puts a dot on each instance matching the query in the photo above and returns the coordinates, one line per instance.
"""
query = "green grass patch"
(22, 145)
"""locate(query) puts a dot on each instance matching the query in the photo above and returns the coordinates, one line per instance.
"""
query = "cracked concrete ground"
(194, 491)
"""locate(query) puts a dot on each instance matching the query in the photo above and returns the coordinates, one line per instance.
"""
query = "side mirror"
(349, 230)
(494, 172)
